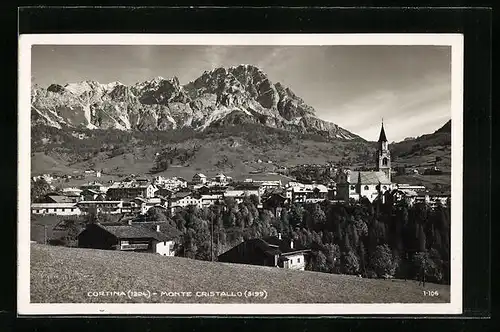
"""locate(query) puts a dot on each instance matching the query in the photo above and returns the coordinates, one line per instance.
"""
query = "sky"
(352, 86)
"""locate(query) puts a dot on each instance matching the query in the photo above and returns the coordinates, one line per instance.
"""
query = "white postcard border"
(24, 169)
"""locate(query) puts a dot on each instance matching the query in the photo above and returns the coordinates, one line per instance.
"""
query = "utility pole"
(212, 241)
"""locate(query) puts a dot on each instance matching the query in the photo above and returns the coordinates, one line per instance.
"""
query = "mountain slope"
(426, 150)
(218, 98)
(235, 150)
(66, 275)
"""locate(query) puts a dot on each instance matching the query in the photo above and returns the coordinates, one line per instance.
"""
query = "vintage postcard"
(205, 174)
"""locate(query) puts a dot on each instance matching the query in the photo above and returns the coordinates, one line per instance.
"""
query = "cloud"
(215, 56)
(410, 111)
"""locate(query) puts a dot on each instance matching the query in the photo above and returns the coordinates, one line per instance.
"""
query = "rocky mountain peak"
(222, 96)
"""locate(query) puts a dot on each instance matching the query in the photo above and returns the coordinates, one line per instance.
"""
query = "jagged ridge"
(220, 97)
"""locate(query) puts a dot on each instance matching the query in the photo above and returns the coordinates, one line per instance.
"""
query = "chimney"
(279, 236)
(157, 228)
(291, 243)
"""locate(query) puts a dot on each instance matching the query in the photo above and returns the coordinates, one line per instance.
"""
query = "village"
(132, 198)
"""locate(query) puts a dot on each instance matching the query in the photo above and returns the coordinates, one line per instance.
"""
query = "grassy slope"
(423, 150)
(65, 275)
(233, 156)
(42, 163)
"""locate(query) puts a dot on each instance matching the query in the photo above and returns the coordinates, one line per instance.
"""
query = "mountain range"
(218, 98)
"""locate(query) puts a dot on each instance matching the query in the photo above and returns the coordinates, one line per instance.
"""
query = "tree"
(156, 214)
(296, 215)
(318, 217)
(161, 162)
(39, 188)
(422, 243)
(421, 262)
(350, 263)
(362, 257)
(318, 262)
(332, 254)
(382, 261)
(254, 199)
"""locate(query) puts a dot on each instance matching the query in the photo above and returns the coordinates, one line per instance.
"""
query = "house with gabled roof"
(268, 251)
(60, 209)
(130, 190)
(125, 238)
(56, 198)
(183, 199)
(199, 178)
(101, 206)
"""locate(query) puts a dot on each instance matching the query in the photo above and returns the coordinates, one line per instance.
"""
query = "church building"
(369, 184)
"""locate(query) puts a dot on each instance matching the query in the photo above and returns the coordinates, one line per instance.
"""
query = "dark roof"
(382, 137)
(59, 199)
(167, 230)
(245, 186)
(439, 193)
(283, 245)
(265, 247)
(269, 196)
(131, 231)
(181, 194)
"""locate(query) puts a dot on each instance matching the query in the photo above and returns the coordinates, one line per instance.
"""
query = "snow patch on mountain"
(241, 93)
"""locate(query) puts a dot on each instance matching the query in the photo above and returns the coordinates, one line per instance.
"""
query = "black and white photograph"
(240, 174)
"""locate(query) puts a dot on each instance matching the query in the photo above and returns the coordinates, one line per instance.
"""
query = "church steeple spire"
(383, 153)
(382, 137)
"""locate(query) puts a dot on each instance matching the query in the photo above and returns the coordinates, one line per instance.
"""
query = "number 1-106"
(431, 293)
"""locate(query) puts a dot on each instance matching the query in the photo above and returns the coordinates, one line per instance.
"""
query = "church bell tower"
(383, 154)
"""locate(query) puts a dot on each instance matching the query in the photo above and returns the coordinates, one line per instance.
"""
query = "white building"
(220, 178)
(94, 185)
(415, 188)
(173, 183)
(60, 209)
(165, 248)
(199, 178)
(130, 190)
(182, 200)
(111, 207)
(209, 200)
(71, 191)
(369, 184)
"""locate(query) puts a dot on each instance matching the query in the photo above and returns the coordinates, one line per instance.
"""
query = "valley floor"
(67, 275)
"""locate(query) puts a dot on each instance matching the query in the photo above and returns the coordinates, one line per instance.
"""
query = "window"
(298, 260)
(385, 187)
(353, 187)
(366, 188)
(384, 162)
